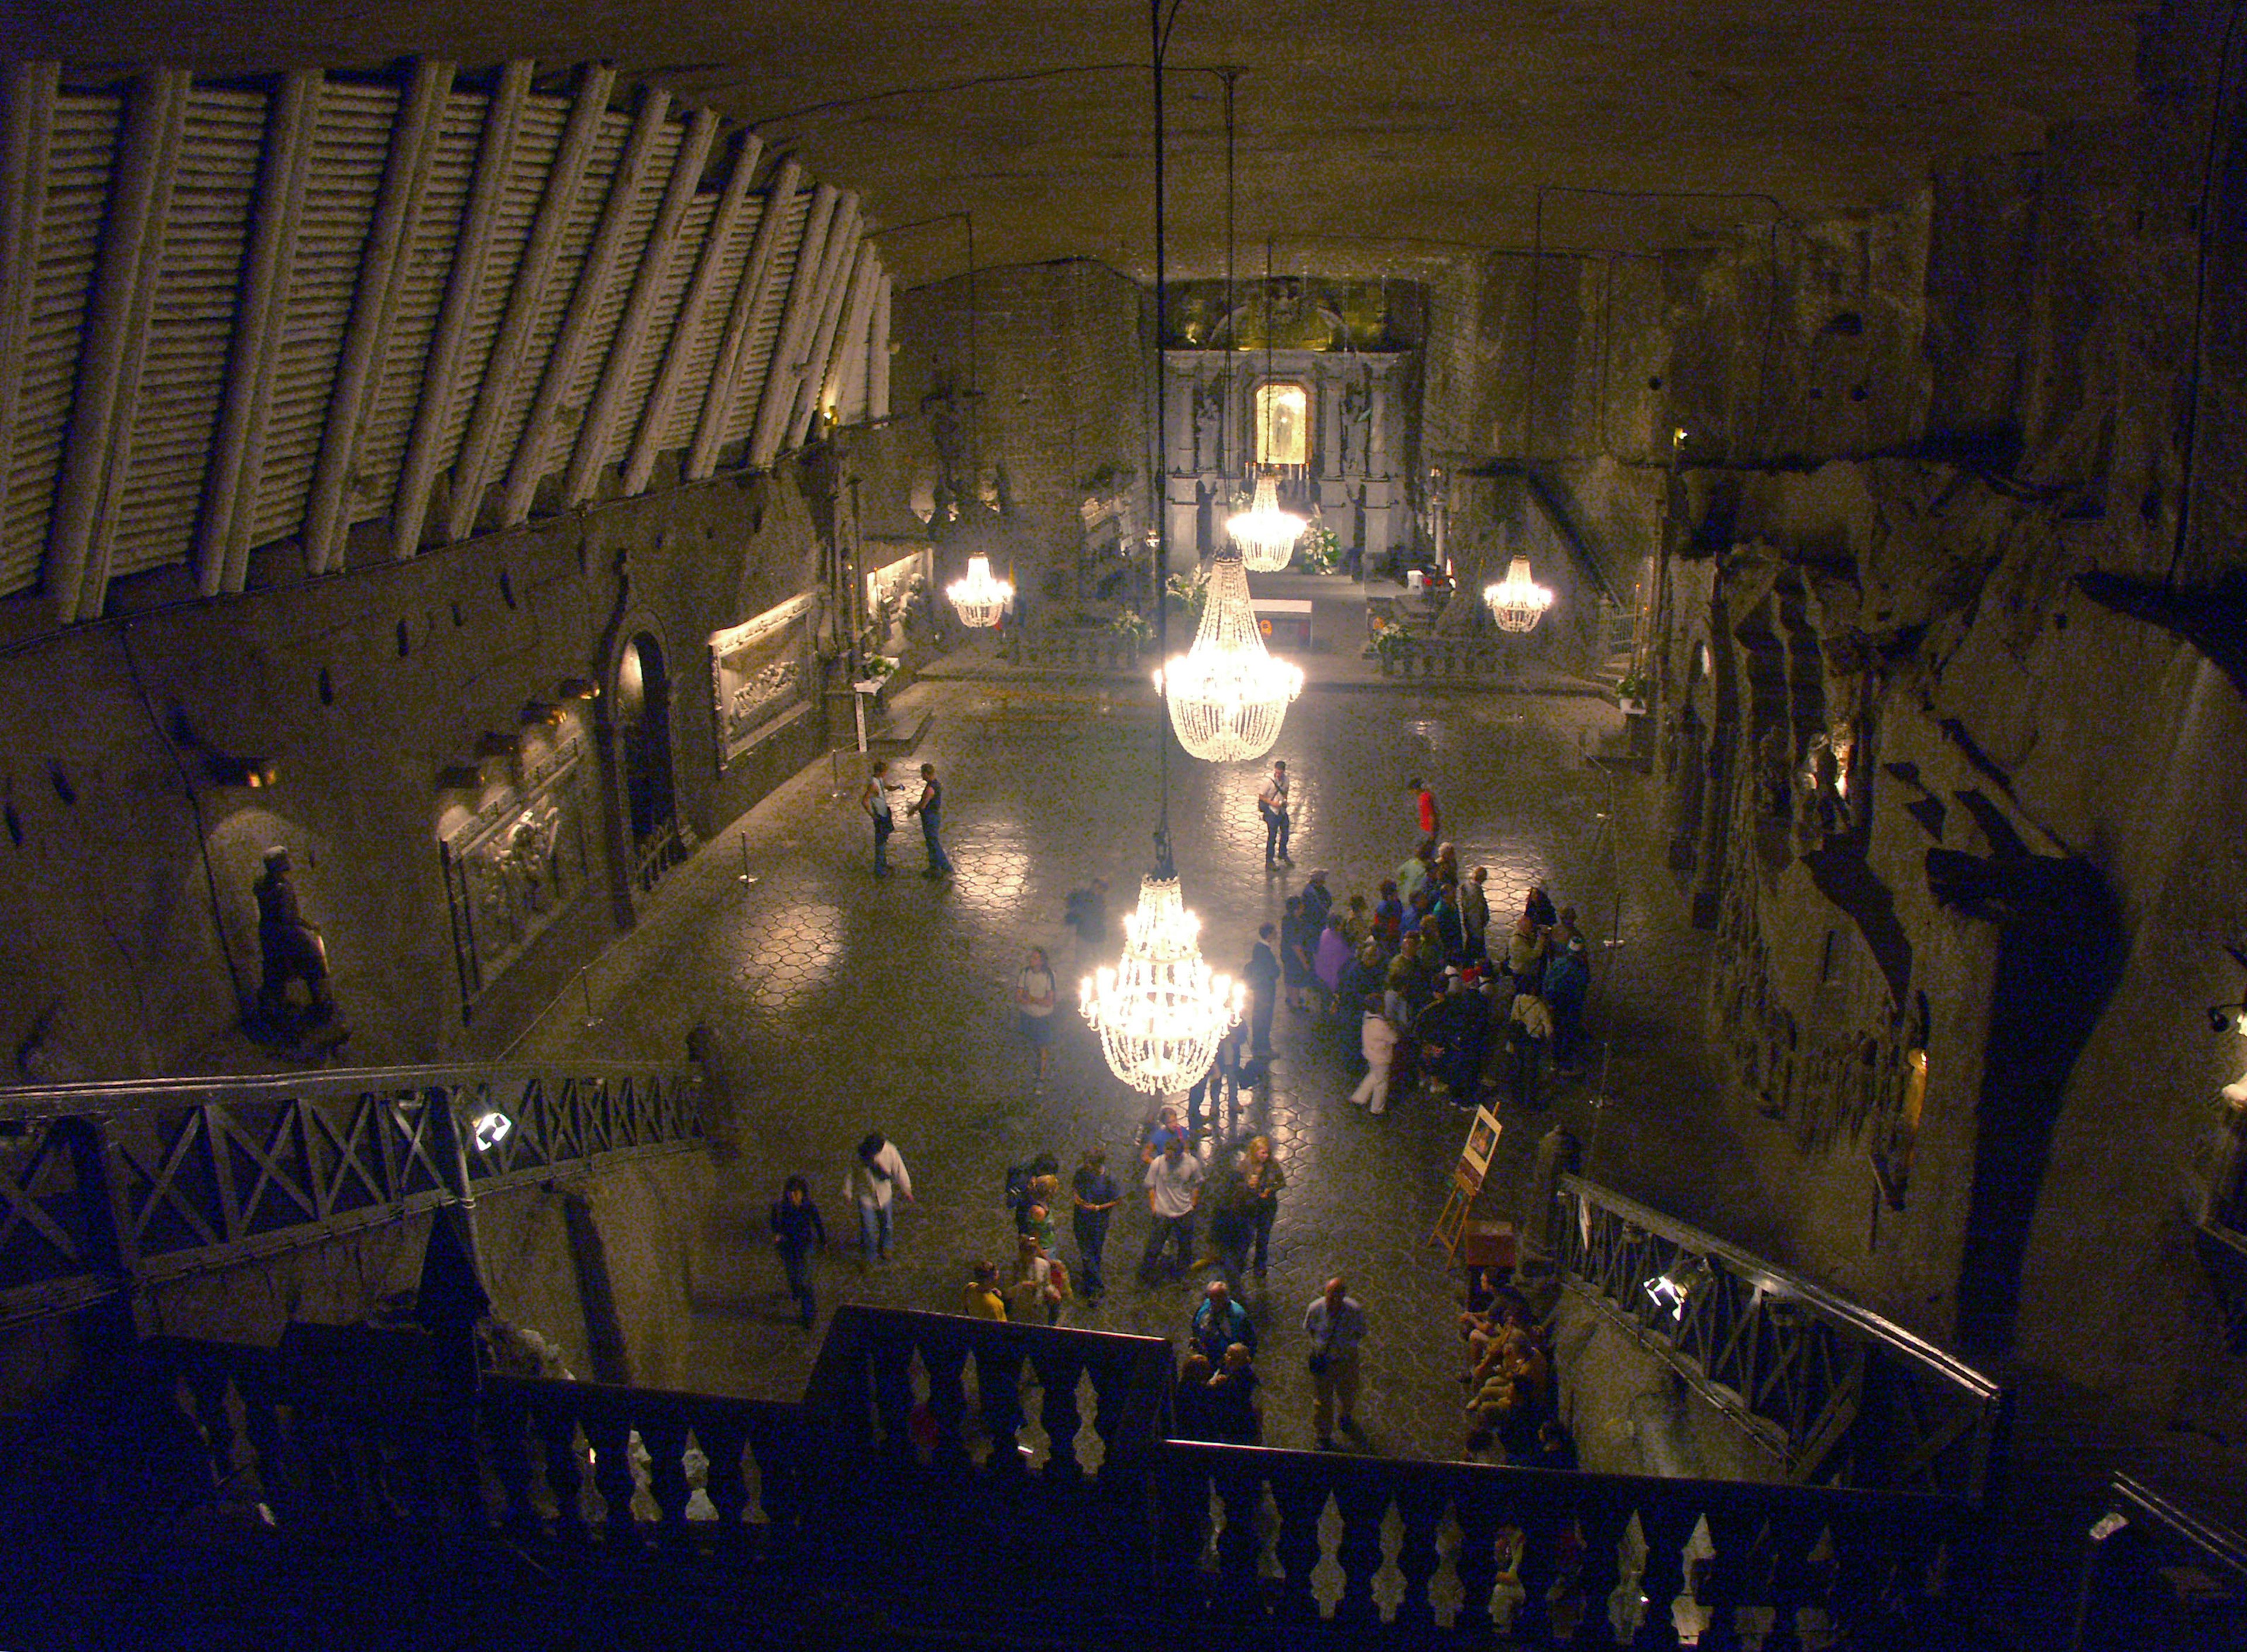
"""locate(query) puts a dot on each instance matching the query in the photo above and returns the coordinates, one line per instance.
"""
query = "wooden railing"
(104, 1187)
(1541, 1557)
(2159, 1574)
(1082, 648)
(1840, 1396)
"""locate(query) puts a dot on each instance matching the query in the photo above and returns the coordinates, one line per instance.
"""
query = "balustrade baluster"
(565, 1479)
(1661, 1578)
(1058, 1413)
(1111, 1385)
(1788, 1539)
(1600, 1525)
(1184, 1527)
(664, 1433)
(1477, 1513)
(781, 1486)
(999, 1393)
(1722, 1586)
(1241, 1545)
(1543, 1521)
(610, 1437)
(260, 1422)
(893, 1396)
(945, 1356)
(1362, 1497)
(1420, 1507)
(1301, 1499)
(1870, 1593)
(722, 1438)
(507, 1426)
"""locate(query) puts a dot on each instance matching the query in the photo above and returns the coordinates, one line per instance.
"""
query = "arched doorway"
(642, 726)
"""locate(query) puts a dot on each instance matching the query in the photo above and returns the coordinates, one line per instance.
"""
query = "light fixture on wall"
(1264, 534)
(1677, 1284)
(980, 599)
(1160, 1010)
(489, 1129)
(1227, 695)
(1517, 602)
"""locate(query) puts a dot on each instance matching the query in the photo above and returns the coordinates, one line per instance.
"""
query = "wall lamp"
(577, 688)
(1674, 1286)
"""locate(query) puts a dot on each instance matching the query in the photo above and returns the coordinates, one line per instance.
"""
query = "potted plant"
(1319, 549)
(1394, 645)
(1630, 693)
(1133, 628)
(1188, 594)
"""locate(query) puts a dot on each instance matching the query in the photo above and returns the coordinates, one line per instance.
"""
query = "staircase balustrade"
(1838, 1394)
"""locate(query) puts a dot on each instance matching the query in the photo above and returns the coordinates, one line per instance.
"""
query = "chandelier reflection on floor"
(1159, 1010)
(1228, 696)
(1264, 534)
(980, 599)
(1517, 602)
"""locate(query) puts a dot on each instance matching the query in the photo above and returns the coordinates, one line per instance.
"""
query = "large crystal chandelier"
(980, 599)
(1159, 1010)
(1264, 534)
(1226, 695)
(1517, 602)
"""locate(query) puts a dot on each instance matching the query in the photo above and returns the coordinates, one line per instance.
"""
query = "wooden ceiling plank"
(27, 124)
(834, 283)
(777, 399)
(749, 298)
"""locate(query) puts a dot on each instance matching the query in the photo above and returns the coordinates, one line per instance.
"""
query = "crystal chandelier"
(1264, 534)
(978, 598)
(1517, 602)
(1159, 1010)
(1226, 694)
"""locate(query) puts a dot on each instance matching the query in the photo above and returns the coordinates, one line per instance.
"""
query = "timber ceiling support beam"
(374, 309)
(98, 450)
(503, 373)
(238, 456)
(778, 398)
(693, 311)
(749, 298)
(834, 278)
(603, 269)
(603, 417)
(844, 389)
(877, 355)
(495, 161)
(27, 125)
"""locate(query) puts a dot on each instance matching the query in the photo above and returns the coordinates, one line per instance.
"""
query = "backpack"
(1057, 1279)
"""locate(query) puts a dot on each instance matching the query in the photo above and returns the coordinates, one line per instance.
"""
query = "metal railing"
(104, 1187)
(1840, 1395)
(2159, 1575)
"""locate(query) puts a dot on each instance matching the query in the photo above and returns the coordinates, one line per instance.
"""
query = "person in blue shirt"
(1219, 1322)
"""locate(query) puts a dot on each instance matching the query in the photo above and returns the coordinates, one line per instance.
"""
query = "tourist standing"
(1378, 1038)
(1474, 911)
(1262, 975)
(929, 807)
(1335, 1324)
(1231, 1414)
(1174, 1192)
(983, 1300)
(1034, 1000)
(1272, 803)
(1096, 1197)
(1298, 937)
(1219, 1322)
(874, 1183)
(1568, 983)
(1424, 811)
(795, 1229)
(1528, 1031)
(1262, 1176)
(1538, 908)
(874, 798)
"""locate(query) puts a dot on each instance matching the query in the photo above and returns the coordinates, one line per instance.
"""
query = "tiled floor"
(860, 1004)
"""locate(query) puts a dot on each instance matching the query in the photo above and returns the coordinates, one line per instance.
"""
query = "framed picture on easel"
(1482, 1141)
(1466, 1180)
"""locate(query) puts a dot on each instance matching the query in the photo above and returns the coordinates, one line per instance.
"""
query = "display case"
(763, 673)
(516, 862)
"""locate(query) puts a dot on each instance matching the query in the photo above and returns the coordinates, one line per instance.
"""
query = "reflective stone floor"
(852, 1004)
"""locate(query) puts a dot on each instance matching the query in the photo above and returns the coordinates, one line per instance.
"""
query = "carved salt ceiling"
(1358, 123)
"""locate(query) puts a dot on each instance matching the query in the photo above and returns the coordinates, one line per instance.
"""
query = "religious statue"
(1209, 424)
(1356, 424)
(291, 950)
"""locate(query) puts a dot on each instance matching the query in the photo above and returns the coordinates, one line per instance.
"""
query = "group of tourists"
(1438, 997)
(1511, 1415)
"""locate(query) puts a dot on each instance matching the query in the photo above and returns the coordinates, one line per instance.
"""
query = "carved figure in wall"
(1356, 424)
(949, 434)
(290, 949)
(1773, 779)
(1209, 424)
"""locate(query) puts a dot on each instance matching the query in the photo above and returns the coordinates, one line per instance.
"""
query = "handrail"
(1839, 1393)
(2157, 1575)
(92, 1098)
(2209, 1540)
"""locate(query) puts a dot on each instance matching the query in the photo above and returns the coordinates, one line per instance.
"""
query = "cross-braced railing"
(1839, 1394)
(104, 1186)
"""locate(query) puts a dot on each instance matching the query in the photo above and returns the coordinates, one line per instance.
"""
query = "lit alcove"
(1283, 418)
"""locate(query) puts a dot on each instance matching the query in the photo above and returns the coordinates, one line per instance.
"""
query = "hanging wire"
(1158, 26)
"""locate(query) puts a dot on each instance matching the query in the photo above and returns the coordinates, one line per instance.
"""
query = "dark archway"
(643, 729)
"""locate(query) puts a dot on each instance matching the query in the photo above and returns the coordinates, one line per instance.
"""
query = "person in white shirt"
(875, 1182)
(1034, 998)
(1335, 1324)
(1173, 1194)
(874, 798)
(1378, 1038)
(1272, 803)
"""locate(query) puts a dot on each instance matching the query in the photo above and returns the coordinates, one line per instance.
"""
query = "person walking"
(1376, 1036)
(1218, 1086)
(1173, 1194)
(1335, 1326)
(1096, 1197)
(1262, 1176)
(1262, 974)
(929, 807)
(795, 1229)
(1034, 1001)
(874, 798)
(1424, 811)
(875, 1183)
(1272, 803)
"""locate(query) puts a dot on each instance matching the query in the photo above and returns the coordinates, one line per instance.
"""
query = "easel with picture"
(1466, 1182)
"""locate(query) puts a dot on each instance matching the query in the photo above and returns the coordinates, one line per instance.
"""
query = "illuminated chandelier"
(1159, 1010)
(1517, 602)
(1264, 534)
(980, 599)
(1228, 696)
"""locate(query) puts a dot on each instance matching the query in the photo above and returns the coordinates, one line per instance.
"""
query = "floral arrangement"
(1132, 625)
(1319, 549)
(1188, 594)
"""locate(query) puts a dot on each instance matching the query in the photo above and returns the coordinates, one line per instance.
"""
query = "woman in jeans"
(1262, 1177)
